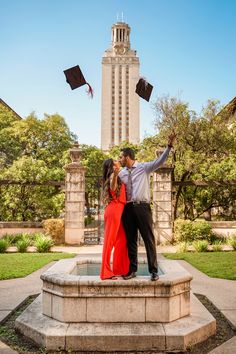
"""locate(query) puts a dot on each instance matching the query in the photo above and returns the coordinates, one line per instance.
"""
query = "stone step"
(175, 336)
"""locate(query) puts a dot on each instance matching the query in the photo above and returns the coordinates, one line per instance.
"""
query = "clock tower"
(120, 103)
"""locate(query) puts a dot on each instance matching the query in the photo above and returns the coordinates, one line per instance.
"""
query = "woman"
(114, 200)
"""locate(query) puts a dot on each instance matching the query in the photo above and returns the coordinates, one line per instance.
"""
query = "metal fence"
(94, 211)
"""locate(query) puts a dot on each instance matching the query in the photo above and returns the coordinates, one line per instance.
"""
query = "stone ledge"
(176, 336)
(62, 274)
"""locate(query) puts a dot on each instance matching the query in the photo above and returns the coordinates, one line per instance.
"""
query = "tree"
(27, 202)
(114, 152)
(32, 150)
(9, 146)
(204, 144)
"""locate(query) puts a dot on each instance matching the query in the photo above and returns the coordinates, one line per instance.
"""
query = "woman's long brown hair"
(107, 172)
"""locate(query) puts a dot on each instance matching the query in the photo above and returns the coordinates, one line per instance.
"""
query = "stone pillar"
(75, 198)
(162, 204)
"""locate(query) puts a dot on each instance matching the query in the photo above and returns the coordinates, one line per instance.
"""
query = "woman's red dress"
(114, 237)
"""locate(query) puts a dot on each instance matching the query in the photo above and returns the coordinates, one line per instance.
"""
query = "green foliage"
(3, 245)
(232, 242)
(23, 244)
(217, 246)
(115, 151)
(214, 264)
(204, 150)
(43, 243)
(188, 231)
(182, 247)
(183, 231)
(202, 230)
(13, 239)
(200, 246)
(9, 146)
(39, 155)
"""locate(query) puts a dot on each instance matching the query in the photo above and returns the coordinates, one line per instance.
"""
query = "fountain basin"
(68, 296)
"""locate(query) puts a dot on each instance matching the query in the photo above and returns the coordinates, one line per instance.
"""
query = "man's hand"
(116, 168)
(171, 139)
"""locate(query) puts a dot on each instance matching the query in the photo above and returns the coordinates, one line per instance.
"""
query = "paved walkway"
(220, 291)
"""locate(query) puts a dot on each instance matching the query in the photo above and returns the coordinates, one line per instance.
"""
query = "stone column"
(75, 198)
(162, 204)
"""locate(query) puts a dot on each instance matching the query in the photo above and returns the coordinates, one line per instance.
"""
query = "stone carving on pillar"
(75, 198)
(162, 204)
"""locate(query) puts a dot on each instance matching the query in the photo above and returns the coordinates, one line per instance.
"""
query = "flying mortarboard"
(75, 79)
(144, 89)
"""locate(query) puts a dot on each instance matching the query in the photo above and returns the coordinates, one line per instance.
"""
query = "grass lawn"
(18, 265)
(215, 264)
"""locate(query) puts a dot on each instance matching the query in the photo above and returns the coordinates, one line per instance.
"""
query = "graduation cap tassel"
(90, 90)
(75, 79)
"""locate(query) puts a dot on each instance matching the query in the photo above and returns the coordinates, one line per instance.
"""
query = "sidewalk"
(220, 292)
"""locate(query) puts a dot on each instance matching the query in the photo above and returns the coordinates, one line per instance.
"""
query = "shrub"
(232, 242)
(56, 229)
(217, 246)
(3, 245)
(202, 230)
(13, 239)
(183, 230)
(43, 243)
(188, 231)
(213, 238)
(23, 244)
(200, 246)
(182, 247)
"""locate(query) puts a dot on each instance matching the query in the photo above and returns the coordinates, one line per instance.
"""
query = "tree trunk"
(179, 190)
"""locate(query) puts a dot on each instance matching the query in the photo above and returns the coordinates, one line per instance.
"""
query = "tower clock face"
(120, 49)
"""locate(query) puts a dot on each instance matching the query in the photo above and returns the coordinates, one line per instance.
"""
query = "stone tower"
(120, 103)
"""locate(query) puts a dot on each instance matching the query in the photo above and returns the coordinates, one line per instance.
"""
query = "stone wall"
(16, 227)
(223, 228)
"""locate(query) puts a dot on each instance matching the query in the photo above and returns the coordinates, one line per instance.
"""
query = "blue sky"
(187, 48)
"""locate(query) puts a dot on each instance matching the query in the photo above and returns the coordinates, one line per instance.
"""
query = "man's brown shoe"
(154, 276)
(130, 275)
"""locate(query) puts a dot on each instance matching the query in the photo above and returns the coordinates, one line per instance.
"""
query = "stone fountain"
(79, 312)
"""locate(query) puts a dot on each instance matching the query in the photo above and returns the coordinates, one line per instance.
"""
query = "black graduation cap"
(144, 89)
(75, 79)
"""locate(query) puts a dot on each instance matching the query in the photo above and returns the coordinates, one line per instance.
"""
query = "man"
(137, 213)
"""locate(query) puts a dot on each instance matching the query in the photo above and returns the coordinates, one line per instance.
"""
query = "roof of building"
(9, 108)
(229, 109)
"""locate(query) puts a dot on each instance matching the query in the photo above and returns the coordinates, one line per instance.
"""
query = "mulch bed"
(21, 344)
